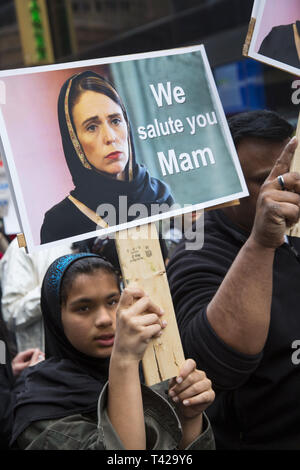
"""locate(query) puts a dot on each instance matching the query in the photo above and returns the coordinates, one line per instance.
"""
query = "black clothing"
(64, 220)
(7, 400)
(53, 389)
(280, 45)
(93, 187)
(257, 403)
(7, 395)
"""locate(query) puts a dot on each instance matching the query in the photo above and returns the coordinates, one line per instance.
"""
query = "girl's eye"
(113, 302)
(91, 128)
(83, 308)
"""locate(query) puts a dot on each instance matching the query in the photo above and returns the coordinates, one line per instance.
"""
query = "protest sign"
(274, 34)
(152, 143)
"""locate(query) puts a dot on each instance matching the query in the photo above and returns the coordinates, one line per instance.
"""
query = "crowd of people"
(75, 337)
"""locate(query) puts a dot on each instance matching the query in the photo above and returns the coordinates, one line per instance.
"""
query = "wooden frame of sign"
(142, 265)
(249, 37)
(249, 49)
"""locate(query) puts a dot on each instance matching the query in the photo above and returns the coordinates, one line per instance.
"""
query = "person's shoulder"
(60, 208)
(278, 33)
(58, 222)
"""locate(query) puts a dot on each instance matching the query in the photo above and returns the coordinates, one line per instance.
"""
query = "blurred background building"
(36, 32)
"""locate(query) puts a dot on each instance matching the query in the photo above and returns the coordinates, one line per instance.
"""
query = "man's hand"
(26, 358)
(276, 210)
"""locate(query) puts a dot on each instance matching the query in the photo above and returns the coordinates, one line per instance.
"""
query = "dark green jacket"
(95, 431)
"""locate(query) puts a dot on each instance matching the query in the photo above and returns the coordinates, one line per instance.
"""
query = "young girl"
(87, 394)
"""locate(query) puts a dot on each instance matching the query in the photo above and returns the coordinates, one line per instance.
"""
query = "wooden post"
(21, 240)
(142, 265)
(249, 37)
(294, 231)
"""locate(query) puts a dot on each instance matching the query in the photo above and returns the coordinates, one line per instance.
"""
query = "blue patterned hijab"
(67, 382)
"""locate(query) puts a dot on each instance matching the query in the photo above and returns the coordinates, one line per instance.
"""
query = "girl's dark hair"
(86, 265)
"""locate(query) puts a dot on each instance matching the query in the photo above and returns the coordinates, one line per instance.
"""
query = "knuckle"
(295, 175)
(208, 383)
(201, 375)
(274, 208)
(192, 363)
(144, 336)
(264, 197)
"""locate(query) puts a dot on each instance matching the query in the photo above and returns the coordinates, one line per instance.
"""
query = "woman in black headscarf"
(98, 147)
(64, 402)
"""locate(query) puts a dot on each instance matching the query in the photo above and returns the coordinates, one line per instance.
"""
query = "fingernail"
(162, 311)
(293, 139)
(186, 402)
(179, 380)
(176, 399)
(164, 323)
(171, 393)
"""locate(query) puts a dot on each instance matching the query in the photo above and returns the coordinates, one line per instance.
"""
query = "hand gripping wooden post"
(142, 265)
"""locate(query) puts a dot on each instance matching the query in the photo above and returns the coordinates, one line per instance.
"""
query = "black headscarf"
(68, 381)
(93, 187)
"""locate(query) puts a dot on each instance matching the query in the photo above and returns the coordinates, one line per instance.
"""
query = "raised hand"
(138, 320)
(278, 209)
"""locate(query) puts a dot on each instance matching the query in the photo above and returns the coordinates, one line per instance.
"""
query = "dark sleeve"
(48, 230)
(194, 278)
(268, 46)
(64, 220)
(58, 222)
(6, 406)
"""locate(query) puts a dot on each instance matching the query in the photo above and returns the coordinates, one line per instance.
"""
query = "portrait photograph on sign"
(275, 28)
(97, 146)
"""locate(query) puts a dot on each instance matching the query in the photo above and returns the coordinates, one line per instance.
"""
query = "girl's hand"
(138, 321)
(191, 391)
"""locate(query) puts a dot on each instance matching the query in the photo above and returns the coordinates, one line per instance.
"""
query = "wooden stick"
(294, 231)
(142, 265)
(21, 240)
(249, 36)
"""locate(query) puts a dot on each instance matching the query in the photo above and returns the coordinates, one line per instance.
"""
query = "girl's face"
(102, 131)
(89, 314)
